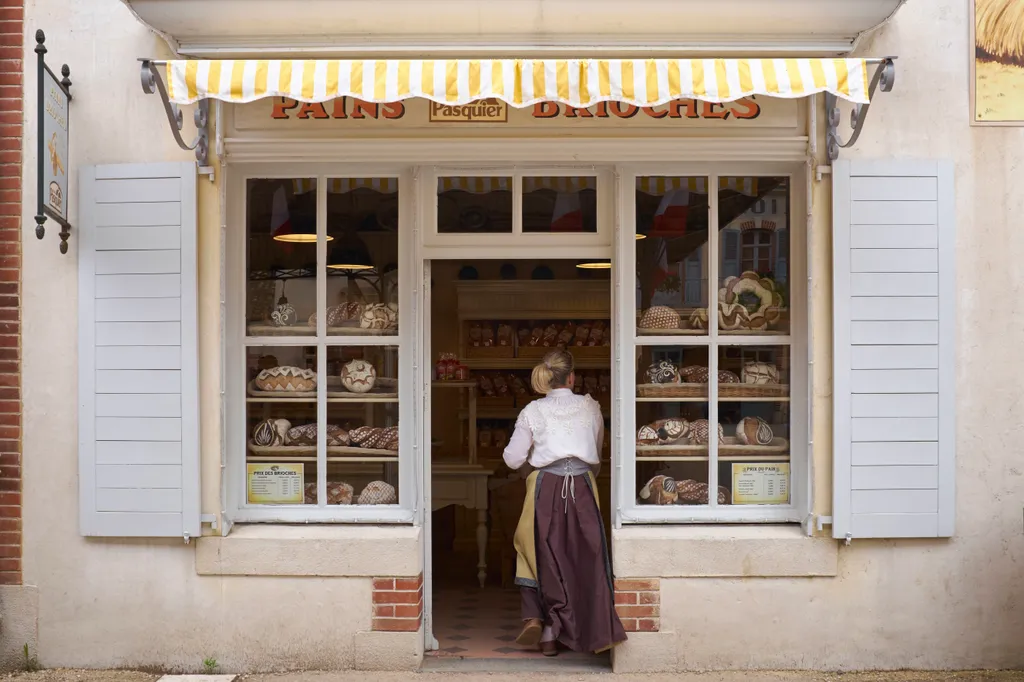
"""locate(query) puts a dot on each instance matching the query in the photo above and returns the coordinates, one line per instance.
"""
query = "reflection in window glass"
(560, 204)
(474, 205)
(280, 255)
(672, 255)
(753, 216)
(362, 257)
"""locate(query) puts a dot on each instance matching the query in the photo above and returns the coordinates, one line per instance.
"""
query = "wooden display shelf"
(330, 460)
(505, 412)
(753, 459)
(263, 330)
(529, 363)
(366, 398)
(704, 399)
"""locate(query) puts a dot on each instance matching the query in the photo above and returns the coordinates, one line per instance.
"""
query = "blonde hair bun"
(553, 372)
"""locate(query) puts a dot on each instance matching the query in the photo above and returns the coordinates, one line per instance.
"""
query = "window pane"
(474, 205)
(672, 255)
(362, 422)
(280, 256)
(753, 218)
(560, 204)
(362, 260)
(672, 425)
(753, 409)
(280, 401)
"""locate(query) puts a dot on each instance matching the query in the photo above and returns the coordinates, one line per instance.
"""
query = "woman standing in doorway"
(563, 568)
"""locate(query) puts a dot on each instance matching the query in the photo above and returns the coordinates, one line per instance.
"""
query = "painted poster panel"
(997, 62)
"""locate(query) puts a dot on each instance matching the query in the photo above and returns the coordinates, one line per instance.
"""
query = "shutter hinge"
(187, 538)
(848, 540)
(210, 519)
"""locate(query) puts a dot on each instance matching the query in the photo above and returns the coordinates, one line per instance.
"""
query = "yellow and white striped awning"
(519, 82)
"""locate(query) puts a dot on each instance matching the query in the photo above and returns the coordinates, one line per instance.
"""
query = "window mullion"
(321, 346)
(713, 279)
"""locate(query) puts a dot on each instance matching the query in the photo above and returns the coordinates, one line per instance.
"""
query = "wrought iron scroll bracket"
(884, 76)
(152, 82)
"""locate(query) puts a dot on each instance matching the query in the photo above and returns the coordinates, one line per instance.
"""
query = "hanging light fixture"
(595, 264)
(350, 253)
(304, 232)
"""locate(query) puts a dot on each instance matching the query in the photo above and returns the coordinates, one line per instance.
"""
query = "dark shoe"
(549, 648)
(531, 633)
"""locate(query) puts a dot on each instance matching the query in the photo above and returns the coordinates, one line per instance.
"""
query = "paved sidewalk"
(128, 676)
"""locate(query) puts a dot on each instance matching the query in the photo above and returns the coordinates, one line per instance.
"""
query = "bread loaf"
(337, 493)
(358, 376)
(659, 490)
(378, 492)
(286, 379)
(700, 432)
(760, 373)
(265, 434)
(379, 316)
(754, 431)
(663, 372)
(659, 317)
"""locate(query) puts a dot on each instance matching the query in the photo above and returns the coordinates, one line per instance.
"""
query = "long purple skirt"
(574, 594)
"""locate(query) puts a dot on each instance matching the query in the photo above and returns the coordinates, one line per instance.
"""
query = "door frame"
(521, 246)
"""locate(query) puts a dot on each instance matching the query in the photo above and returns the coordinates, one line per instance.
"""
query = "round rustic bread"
(663, 372)
(760, 373)
(378, 492)
(754, 431)
(659, 317)
(358, 376)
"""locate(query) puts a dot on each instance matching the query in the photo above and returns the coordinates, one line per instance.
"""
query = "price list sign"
(275, 483)
(760, 483)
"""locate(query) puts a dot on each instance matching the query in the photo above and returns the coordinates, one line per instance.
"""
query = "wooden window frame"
(628, 341)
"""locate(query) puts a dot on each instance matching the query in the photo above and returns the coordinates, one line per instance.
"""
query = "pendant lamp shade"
(350, 253)
(298, 232)
(595, 264)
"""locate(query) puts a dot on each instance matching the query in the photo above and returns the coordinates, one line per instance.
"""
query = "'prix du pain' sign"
(54, 98)
(496, 111)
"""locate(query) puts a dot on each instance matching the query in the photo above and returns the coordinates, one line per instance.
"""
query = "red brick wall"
(11, 97)
(397, 604)
(638, 603)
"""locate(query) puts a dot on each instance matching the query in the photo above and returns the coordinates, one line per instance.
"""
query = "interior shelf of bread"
(330, 460)
(753, 459)
(527, 363)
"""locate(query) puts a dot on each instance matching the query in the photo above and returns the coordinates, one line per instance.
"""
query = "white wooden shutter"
(894, 436)
(138, 367)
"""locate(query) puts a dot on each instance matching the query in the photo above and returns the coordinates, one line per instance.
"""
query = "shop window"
(713, 373)
(321, 387)
(474, 205)
(560, 204)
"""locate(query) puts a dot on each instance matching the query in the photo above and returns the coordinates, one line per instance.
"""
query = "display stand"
(464, 485)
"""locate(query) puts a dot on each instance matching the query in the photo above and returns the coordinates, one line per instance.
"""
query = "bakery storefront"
(304, 352)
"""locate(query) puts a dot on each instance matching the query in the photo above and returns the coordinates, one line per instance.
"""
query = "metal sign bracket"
(152, 82)
(884, 76)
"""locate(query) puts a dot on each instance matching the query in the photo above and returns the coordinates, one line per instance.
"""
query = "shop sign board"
(54, 97)
(275, 483)
(760, 483)
(492, 116)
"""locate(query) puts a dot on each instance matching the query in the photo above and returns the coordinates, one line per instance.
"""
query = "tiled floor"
(470, 622)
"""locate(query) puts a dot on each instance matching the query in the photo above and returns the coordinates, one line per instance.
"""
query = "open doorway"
(490, 321)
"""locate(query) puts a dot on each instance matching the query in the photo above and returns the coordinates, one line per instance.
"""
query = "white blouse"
(557, 426)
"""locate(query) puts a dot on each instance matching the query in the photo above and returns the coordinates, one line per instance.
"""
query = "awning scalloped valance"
(518, 82)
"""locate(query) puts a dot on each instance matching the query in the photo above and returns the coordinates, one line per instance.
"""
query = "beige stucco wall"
(955, 603)
(913, 603)
(113, 602)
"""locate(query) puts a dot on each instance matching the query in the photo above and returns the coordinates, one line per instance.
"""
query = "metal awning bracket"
(884, 76)
(153, 83)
